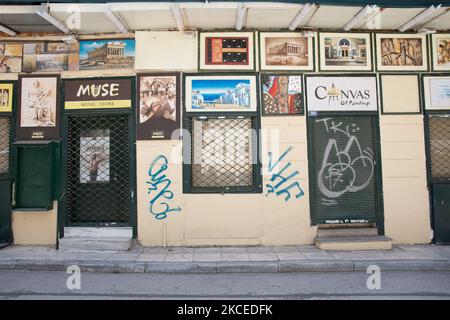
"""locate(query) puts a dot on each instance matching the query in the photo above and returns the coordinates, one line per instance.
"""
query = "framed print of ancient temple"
(440, 49)
(286, 51)
(107, 54)
(401, 52)
(226, 51)
(345, 52)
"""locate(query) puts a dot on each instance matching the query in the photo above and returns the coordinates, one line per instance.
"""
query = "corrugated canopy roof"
(97, 16)
(385, 3)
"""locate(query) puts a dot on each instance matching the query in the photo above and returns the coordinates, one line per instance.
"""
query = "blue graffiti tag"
(277, 188)
(158, 166)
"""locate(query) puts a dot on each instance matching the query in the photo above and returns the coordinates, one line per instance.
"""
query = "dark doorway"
(99, 170)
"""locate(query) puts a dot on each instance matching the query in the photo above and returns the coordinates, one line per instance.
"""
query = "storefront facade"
(229, 143)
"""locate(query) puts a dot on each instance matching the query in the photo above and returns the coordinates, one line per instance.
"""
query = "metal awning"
(97, 16)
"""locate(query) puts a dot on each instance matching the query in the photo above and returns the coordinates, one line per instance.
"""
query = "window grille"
(98, 169)
(439, 147)
(223, 154)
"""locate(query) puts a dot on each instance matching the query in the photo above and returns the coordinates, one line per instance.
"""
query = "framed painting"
(38, 113)
(50, 57)
(10, 57)
(159, 106)
(400, 93)
(286, 51)
(6, 97)
(107, 54)
(436, 91)
(282, 94)
(401, 52)
(440, 49)
(226, 51)
(220, 93)
(345, 52)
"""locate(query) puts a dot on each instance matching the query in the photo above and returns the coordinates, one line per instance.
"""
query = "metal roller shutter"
(342, 170)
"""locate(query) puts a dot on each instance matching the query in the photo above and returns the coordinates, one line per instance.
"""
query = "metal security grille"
(439, 147)
(4, 144)
(343, 171)
(223, 153)
(98, 169)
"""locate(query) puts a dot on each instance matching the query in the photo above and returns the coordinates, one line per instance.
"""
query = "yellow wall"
(229, 219)
(406, 206)
(250, 219)
(35, 227)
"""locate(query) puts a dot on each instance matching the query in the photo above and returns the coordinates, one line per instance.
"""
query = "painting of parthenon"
(105, 54)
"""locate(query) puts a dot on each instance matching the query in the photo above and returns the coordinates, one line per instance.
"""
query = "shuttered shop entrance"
(343, 171)
(5, 180)
(438, 145)
(99, 189)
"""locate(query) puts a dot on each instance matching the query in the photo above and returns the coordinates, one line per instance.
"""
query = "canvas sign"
(350, 93)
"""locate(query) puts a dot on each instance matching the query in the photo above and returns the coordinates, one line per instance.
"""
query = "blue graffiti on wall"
(282, 187)
(158, 188)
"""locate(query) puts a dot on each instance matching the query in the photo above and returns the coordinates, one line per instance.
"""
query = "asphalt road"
(312, 285)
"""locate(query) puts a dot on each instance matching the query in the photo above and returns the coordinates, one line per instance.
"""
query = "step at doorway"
(97, 239)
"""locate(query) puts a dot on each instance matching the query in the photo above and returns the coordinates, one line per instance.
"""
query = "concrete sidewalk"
(227, 259)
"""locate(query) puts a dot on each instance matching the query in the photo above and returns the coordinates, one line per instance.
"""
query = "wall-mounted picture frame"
(6, 97)
(49, 56)
(221, 93)
(281, 94)
(345, 51)
(107, 54)
(285, 51)
(401, 52)
(440, 51)
(10, 57)
(400, 93)
(38, 115)
(158, 114)
(227, 51)
(436, 92)
(341, 92)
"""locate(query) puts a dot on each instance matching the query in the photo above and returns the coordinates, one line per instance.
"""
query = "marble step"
(100, 232)
(354, 243)
(346, 232)
(95, 243)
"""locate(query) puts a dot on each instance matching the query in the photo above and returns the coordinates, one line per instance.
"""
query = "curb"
(324, 265)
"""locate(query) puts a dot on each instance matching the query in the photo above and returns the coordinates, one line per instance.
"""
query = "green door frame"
(9, 176)
(62, 204)
(426, 125)
(377, 146)
(377, 157)
(430, 180)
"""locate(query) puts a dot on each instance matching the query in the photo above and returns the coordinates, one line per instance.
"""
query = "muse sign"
(335, 93)
(98, 94)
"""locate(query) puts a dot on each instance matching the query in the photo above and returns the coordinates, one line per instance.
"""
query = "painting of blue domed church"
(345, 51)
(220, 94)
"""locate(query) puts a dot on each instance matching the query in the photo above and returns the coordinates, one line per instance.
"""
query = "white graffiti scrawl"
(344, 170)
